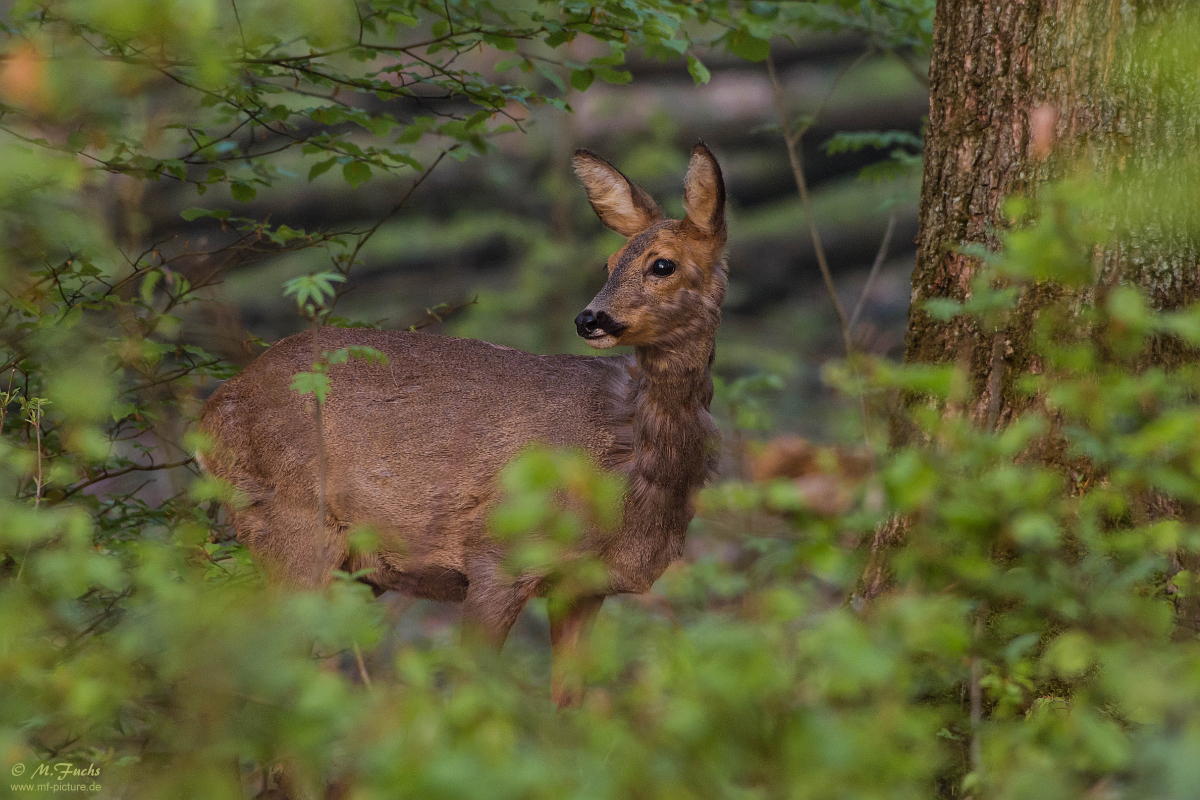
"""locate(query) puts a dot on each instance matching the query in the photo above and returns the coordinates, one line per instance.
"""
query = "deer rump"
(413, 449)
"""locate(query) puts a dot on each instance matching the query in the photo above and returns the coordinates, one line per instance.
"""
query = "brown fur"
(414, 446)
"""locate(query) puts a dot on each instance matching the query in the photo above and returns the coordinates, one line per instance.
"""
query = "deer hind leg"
(570, 621)
(285, 540)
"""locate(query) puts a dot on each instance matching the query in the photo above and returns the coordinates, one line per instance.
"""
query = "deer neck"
(675, 384)
(672, 429)
(673, 445)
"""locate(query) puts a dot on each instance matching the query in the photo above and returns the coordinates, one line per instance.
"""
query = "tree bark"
(1025, 92)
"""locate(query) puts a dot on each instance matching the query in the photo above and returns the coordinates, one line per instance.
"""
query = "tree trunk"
(1024, 92)
(1027, 91)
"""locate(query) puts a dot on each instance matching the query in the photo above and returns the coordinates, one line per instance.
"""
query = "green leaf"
(614, 75)
(320, 168)
(899, 164)
(847, 142)
(368, 354)
(697, 70)
(478, 118)
(942, 308)
(1070, 654)
(550, 75)
(314, 383)
(1036, 529)
(285, 233)
(1126, 305)
(25, 305)
(356, 173)
(382, 125)
(581, 79)
(191, 214)
(405, 159)
(314, 289)
(507, 64)
(402, 18)
(148, 283)
(745, 45)
(242, 191)
(500, 42)
(344, 354)
(415, 131)
(677, 45)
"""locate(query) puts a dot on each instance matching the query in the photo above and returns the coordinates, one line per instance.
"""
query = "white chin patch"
(602, 342)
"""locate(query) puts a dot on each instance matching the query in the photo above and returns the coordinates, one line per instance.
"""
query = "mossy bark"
(1026, 92)
(1023, 92)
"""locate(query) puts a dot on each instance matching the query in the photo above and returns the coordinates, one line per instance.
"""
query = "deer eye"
(663, 267)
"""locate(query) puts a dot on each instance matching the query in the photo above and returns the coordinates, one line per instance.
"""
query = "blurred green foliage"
(1041, 641)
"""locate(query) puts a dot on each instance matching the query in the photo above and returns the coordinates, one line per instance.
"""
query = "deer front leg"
(570, 620)
(492, 605)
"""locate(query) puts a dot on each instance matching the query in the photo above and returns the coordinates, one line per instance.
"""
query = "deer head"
(666, 284)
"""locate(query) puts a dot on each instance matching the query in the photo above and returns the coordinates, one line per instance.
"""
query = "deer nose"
(586, 323)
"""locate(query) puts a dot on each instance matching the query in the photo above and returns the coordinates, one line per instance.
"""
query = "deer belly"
(428, 582)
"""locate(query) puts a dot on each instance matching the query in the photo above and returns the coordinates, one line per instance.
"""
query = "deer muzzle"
(597, 324)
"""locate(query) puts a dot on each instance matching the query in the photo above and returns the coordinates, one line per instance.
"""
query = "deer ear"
(704, 193)
(617, 201)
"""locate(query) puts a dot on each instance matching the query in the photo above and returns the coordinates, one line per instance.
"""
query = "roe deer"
(413, 447)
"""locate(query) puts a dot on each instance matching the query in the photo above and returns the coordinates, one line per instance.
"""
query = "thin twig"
(363, 238)
(439, 313)
(171, 376)
(317, 357)
(921, 77)
(362, 667)
(791, 141)
(37, 425)
(879, 258)
(975, 691)
(95, 623)
(37, 499)
(105, 475)
(7, 397)
(837, 81)
(241, 32)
